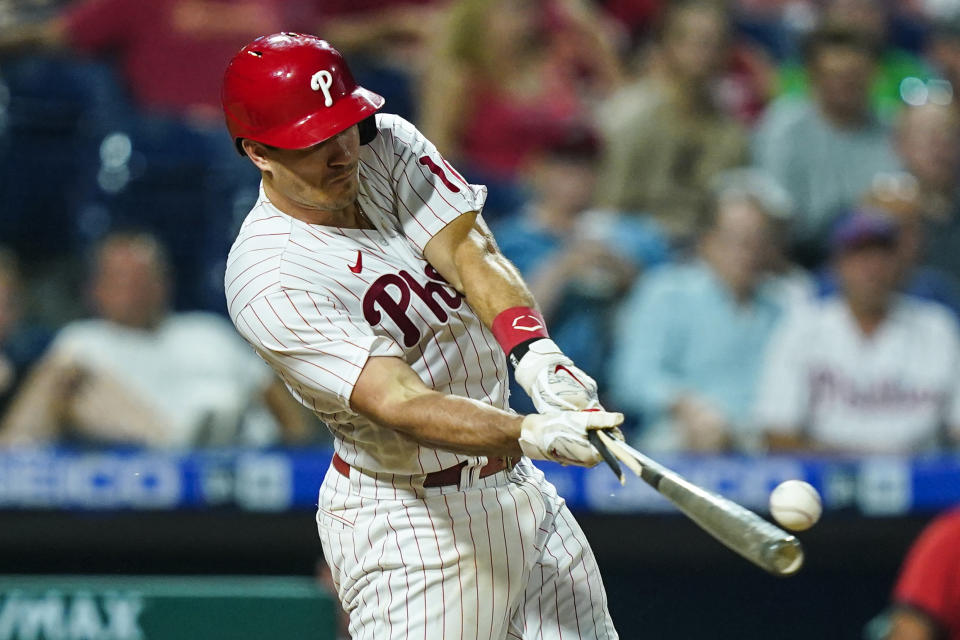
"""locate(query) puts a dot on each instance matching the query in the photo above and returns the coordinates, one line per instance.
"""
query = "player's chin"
(341, 193)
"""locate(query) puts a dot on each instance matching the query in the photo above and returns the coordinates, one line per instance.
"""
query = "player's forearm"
(458, 424)
(492, 284)
(452, 423)
(392, 395)
(466, 254)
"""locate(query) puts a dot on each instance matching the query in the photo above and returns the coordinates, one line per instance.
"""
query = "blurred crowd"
(741, 217)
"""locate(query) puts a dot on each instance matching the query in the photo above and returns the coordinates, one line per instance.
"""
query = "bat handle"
(593, 436)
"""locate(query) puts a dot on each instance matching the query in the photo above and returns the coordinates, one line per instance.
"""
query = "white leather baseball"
(795, 505)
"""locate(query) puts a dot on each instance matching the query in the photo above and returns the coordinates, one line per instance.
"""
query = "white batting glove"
(553, 382)
(562, 437)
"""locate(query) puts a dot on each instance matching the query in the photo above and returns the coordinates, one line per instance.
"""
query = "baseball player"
(366, 277)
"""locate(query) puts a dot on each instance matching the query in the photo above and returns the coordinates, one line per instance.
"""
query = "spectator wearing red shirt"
(172, 52)
(508, 77)
(170, 56)
(927, 595)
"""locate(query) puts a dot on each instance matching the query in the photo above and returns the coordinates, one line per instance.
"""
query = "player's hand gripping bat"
(743, 531)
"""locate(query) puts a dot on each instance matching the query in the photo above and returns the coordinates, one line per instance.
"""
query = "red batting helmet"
(292, 91)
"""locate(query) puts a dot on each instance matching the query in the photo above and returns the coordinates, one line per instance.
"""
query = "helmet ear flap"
(367, 129)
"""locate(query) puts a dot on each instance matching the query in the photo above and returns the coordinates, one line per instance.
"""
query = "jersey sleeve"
(430, 192)
(928, 579)
(313, 344)
(783, 393)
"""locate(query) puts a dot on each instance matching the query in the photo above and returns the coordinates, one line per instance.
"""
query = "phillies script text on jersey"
(380, 296)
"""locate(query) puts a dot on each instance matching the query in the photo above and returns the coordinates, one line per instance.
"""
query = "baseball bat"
(738, 528)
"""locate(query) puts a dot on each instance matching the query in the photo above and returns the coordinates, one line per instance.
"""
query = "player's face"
(324, 177)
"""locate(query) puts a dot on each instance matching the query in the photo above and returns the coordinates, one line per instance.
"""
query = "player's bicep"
(460, 236)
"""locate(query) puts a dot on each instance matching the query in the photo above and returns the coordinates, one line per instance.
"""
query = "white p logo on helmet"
(322, 81)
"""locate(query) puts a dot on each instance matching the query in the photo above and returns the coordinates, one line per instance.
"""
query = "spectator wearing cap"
(689, 339)
(826, 149)
(898, 196)
(868, 370)
(577, 261)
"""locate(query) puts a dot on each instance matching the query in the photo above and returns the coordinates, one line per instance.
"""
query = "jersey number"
(428, 162)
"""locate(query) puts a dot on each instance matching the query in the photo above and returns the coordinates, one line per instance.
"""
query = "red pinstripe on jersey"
(294, 298)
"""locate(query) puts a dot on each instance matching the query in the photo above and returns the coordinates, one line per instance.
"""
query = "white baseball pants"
(497, 558)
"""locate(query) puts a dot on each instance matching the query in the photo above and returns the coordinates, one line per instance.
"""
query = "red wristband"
(517, 325)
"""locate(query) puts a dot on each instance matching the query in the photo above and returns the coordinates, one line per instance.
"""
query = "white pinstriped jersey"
(317, 301)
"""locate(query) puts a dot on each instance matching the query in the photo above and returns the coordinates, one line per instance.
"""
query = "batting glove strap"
(552, 381)
(562, 437)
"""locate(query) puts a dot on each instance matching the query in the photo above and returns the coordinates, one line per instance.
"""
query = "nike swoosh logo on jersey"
(357, 268)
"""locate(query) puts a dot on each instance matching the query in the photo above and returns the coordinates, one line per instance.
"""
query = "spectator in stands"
(926, 598)
(689, 340)
(898, 196)
(894, 65)
(666, 136)
(868, 370)
(827, 149)
(20, 344)
(138, 374)
(178, 164)
(943, 51)
(578, 262)
(508, 76)
(928, 140)
(386, 42)
(172, 52)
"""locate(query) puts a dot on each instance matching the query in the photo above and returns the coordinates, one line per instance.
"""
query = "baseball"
(795, 505)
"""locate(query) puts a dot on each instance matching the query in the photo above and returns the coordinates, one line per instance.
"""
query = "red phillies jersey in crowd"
(173, 52)
(930, 578)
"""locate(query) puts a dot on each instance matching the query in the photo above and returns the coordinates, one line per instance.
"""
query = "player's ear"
(257, 153)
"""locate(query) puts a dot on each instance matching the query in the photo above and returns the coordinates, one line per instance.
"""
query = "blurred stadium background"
(642, 156)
